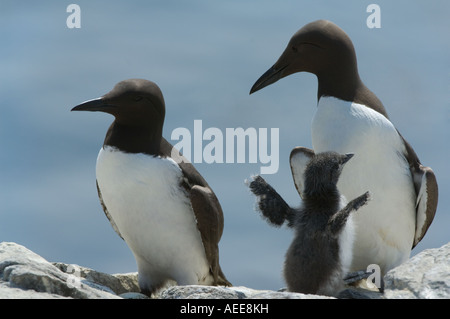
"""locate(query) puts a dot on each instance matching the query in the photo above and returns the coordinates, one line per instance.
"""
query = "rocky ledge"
(24, 274)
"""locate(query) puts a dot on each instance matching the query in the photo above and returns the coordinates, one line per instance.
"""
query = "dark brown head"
(139, 111)
(324, 49)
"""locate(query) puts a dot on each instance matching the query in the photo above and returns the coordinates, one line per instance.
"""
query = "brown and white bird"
(351, 119)
(154, 198)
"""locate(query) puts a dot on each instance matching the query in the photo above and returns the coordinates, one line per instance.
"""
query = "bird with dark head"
(325, 50)
(139, 110)
(153, 197)
(351, 118)
(318, 259)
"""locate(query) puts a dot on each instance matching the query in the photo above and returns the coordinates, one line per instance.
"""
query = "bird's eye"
(137, 98)
(294, 48)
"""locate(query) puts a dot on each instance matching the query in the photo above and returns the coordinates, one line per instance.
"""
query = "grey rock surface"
(26, 275)
(424, 276)
(240, 292)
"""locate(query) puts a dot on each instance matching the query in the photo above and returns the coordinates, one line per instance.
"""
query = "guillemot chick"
(319, 257)
(153, 197)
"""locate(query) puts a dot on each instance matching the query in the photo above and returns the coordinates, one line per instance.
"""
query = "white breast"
(346, 240)
(384, 229)
(153, 214)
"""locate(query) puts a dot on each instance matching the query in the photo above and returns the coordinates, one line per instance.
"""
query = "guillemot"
(154, 198)
(320, 254)
(350, 118)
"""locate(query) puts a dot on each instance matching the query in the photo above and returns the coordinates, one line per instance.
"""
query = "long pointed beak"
(269, 77)
(94, 105)
(348, 157)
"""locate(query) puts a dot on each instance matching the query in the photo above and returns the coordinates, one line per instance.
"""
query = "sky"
(205, 56)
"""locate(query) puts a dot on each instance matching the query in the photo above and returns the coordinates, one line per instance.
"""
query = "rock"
(24, 274)
(133, 295)
(209, 292)
(117, 284)
(128, 283)
(7, 292)
(426, 275)
(359, 293)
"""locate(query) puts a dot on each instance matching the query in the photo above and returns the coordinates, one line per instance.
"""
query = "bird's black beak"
(270, 76)
(282, 68)
(347, 157)
(95, 105)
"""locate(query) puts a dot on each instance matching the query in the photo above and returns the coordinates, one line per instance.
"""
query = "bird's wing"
(105, 210)
(206, 207)
(195, 178)
(299, 158)
(427, 199)
(426, 188)
(209, 216)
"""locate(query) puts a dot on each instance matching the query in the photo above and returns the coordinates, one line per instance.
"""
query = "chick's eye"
(137, 98)
(294, 49)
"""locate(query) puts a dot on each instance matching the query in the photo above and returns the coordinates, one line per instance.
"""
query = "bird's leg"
(356, 276)
(353, 279)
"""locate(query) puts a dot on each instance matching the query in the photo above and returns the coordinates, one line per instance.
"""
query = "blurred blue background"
(205, 56)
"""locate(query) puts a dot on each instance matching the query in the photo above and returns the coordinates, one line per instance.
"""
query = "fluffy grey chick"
(321, 252)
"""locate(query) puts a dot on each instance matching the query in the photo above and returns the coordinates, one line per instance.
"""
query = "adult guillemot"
(154, 198)
(318, 258)
(351, 119)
